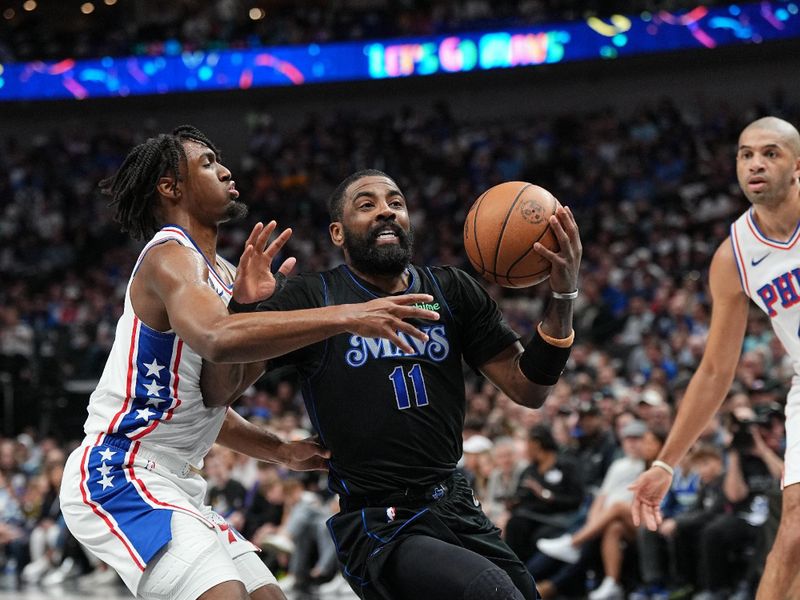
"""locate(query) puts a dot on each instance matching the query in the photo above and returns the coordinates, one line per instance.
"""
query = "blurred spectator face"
(632, 446)
(472, 462)
(660, 417)
(650, 446)
(773, 432)
(590, 420)
(8, 458)
(504, 455)
(648, 401)
(275, 493)
(623, 419)
(54, 472)
(528, 418)
(479, 405)
(217, 471)
(477, 453)
(534, 451)
(267, 473)
(737, 402)
(751, 367)
(708, 467)
(292, 491)
(608, 407)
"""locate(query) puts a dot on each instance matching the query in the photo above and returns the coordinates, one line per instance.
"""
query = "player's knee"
(492, 584)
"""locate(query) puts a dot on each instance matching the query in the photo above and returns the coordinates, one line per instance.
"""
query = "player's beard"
(371, 258)
(236, 211)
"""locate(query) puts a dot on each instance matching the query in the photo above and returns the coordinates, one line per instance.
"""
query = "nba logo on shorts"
(391, 513)
(150, 466)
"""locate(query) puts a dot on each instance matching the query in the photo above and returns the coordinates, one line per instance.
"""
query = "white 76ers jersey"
(770, 274)
(150, 387)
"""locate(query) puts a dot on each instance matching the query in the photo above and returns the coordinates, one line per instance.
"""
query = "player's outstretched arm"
(240, 435)
(707, 388)
(526, 375)
(176, 277)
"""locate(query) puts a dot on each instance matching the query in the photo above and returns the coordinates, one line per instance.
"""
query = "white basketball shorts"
(121, 502)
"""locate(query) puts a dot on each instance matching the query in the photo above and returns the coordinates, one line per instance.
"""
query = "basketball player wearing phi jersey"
(409, 526)
(759, 261)
(132, 493)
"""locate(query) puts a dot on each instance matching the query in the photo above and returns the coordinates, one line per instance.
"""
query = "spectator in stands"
(259, 506)
(654, 556)
(477, 463)
(225, 495)
(507, 467)
(595, 447)
(684, 530)
(46, 538)
(550, 492)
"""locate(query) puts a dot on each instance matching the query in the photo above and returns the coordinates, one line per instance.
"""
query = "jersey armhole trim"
(149, 247)
(439, 288)
(739, 260)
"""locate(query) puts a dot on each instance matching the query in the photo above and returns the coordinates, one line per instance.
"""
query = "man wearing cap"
(549, 493)
(596, 447)
(477, 463)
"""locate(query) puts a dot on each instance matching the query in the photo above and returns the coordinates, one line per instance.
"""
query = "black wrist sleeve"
(541, 362)
(235, 307)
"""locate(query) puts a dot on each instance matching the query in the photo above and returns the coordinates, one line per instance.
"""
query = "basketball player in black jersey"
(409, 525)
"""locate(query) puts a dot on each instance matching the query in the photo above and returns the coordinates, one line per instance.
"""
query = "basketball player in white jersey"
(132, 493)
(759, 261)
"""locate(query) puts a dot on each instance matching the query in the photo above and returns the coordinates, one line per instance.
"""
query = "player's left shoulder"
(446, 276)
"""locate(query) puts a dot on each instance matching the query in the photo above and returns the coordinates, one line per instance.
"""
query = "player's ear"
(168, 188)
(337, 233)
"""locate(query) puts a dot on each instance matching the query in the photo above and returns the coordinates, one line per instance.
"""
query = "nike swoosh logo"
(755, 262)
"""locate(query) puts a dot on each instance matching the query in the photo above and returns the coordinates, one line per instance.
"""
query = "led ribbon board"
(595, 38)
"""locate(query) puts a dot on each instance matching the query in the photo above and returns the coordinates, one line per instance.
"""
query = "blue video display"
(591, 39)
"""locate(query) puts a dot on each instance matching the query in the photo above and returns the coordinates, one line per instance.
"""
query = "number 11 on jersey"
(398, 379)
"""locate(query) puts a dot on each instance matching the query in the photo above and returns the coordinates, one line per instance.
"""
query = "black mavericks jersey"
(393, 420)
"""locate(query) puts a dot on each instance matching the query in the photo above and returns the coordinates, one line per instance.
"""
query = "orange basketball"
(501, 228)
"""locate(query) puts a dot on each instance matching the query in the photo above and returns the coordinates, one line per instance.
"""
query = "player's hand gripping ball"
(501, 229)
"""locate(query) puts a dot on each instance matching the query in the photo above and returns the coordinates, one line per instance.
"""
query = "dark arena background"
(628, 114)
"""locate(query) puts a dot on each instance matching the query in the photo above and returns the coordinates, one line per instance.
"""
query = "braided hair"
(133, 189)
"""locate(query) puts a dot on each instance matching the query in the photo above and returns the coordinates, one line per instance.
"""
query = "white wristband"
(662, 465)
(567, 296)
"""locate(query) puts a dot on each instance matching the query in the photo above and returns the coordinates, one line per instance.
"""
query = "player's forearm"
(526, 393)
(540, 365)
(774, 463)
(733, 485)
(240, 435)
(703, 398)
(251, 337)
(557, 318)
